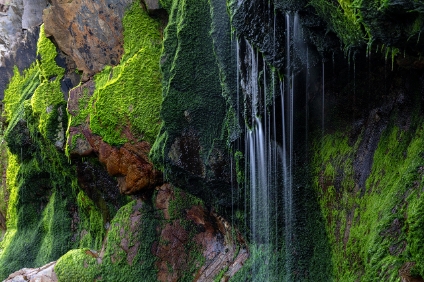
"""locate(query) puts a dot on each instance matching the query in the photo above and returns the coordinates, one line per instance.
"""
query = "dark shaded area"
(100, 187)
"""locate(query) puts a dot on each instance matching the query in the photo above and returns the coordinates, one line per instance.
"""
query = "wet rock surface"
(213, 236)
(129, 163)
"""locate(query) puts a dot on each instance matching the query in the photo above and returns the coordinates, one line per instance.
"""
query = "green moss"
(44, 100)
(78, 265)
(42, 184)
(343, 18)
(19, 89)
(47, 51)
(180, 202)
(91, 229)
(193, 104)
(128, 95)
(238, 156)
(375, 231)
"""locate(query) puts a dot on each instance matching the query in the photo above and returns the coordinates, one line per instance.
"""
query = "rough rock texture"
(405, 273)
(129, 163)
(194, 108)
(40, 274)
(33, 12)
(172, 239)
(214, 235)
(90, 32)
(10, 25)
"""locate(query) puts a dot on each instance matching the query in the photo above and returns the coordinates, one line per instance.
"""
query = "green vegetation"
(389, 23)
(344, 19)
(127, 254)
(41, 182)
(128, 95)
(373, 230)
(192, 93)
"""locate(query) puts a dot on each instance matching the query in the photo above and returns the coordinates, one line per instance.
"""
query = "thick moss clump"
(44, 218)
(128, 96)
(130, 249)
(127, 255)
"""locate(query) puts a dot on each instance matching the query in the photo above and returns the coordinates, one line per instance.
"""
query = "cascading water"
(270, 152)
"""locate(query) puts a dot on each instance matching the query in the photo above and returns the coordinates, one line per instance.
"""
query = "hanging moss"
(41, 182)
(343, 19)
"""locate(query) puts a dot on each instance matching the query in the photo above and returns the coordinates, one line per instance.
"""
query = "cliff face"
(126, 143)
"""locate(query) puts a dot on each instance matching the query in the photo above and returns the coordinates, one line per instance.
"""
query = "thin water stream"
(270, 151)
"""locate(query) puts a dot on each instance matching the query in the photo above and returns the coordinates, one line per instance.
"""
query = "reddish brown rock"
(405, 273)
(129, 163)
(214, 238)
(90, 32)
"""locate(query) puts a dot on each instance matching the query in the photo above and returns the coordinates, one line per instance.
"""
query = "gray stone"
(33, 13)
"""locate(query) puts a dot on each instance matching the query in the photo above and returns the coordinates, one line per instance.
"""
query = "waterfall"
(270, 152)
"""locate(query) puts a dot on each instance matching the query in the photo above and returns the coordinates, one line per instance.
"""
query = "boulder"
(90, 32)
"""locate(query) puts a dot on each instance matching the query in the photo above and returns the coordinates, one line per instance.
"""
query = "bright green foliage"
(78, 265)
(20, 88)
(47, 52)
(128, 95)
(44, 101)
(41, 182)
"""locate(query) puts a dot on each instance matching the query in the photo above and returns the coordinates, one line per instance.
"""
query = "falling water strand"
(269, 151)
(323, 100)
(258, 178)
(287, 148)
(306, 102)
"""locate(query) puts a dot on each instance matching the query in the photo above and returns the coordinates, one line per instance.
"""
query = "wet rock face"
(90, 32)
(130, 163)
(212, 237)
(172, 238)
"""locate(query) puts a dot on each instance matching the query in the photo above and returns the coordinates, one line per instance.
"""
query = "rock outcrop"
(90, 32)
(129, 163)
(40, 274)
(176, 235)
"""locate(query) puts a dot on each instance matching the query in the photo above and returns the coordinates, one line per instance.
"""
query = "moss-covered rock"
(369, 188)
(44, 218)
(174, 238)
(193, 108)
